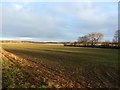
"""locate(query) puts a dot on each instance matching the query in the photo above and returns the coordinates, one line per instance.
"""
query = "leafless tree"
(116, 37)
(83, 39)
(95, 37)
(92, 37)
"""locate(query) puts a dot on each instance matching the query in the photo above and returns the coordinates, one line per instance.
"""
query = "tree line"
(92, 37)
(95, 39)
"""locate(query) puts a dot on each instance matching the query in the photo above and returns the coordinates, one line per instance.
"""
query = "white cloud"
(18, 6)
(25, 38)
(60, 0)
(60, 22)
(30, 24)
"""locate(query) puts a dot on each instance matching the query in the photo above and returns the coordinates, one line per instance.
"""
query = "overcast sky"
(55, 21)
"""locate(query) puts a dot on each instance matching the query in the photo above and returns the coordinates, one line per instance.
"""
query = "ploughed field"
(28, 65)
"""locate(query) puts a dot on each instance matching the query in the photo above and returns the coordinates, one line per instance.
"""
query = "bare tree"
(83, 39)
(116, 37)
(95, 37)
(92, 37)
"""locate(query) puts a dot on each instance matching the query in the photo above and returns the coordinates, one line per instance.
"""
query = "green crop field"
(44, 66)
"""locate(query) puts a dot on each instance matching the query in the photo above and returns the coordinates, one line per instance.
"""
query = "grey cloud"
(62, 22)
(31, 25)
